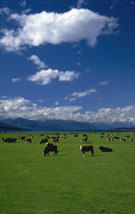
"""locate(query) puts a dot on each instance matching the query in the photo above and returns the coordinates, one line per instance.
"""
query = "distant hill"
(50, 125)
(61, 125)
(8, 127)
(122, 130)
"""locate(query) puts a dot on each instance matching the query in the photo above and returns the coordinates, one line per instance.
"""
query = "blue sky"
(70, 60)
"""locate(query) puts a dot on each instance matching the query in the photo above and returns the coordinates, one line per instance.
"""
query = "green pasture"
(68, 183)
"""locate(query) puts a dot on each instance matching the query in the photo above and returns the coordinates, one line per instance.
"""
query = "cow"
(9, 140)
(104, 149)
(55, 140)
(87, 149)
(85, 135)
(123, 140)
(44, 141)
(116, 138)
(50, 148)
(22, 137)
(47, 137)
(129, 139)
(85, 138)
(28, 140)
(126, 139)
(109, 139)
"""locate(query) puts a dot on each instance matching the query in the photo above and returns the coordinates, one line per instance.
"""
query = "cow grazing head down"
(87, 149)
(50, 148)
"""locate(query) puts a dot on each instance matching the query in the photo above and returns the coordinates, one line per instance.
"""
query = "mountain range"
(57, 125)
(9, 127)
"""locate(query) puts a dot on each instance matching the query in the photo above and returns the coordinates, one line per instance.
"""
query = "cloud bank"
(20, 107)
(56, 28)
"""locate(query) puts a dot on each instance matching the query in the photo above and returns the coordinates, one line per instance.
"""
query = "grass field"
(67, 183)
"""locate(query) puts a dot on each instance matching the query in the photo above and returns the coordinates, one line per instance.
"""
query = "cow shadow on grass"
(91, 156)
(59, 154)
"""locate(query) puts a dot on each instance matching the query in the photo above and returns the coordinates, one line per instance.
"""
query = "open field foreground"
(67, 183)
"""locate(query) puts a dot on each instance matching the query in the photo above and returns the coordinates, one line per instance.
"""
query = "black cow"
(87, 149)
(9, 140)
(22, 137)
(116, 138)
(50, 148)
(44, 141)
(104, 149)
(102, 136)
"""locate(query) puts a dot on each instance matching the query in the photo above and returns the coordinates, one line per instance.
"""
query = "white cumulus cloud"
(67, 75)
(20, 107)
(56, 28)
(44, 77)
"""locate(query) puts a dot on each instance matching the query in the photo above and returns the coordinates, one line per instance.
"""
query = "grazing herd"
(51, 142)
(110, 137)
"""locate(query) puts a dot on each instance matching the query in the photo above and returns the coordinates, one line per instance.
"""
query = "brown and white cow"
(88, 148)
(28, 140)
(85, 138)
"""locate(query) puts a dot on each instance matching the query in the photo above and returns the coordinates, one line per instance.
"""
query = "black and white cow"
(50, 148)
(104, 149)
(87, 149)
